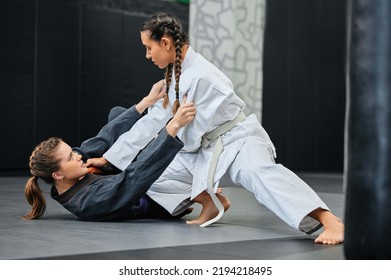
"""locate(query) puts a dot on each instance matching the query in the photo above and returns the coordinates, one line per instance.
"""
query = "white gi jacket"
(216, 103)
(248, 153)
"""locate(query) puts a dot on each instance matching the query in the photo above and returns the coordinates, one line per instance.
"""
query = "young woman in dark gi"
(106, 197)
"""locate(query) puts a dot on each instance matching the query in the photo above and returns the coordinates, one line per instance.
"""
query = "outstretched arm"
(184, 115)
(157, 92)
(95, 147)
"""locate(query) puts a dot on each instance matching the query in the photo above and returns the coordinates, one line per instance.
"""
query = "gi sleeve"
(96, 146)
(129, 144)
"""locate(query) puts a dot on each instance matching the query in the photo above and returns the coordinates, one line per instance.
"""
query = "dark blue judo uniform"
(120, 196)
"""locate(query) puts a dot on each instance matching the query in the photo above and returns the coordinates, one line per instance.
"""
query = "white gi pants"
(254, 168)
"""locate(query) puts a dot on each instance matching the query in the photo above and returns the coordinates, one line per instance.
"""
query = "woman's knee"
(115, 112)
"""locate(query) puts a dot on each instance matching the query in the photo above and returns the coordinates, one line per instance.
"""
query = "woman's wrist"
(143, 105)
(172, 128)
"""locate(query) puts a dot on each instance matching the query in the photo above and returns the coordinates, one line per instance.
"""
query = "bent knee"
(115, 112)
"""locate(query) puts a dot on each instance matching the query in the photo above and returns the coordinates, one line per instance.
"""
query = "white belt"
(218, 148)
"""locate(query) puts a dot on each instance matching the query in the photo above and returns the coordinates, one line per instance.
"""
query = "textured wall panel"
(230, 35)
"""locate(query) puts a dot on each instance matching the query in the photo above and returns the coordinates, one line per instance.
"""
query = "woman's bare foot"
(209, 209)
(334, 229)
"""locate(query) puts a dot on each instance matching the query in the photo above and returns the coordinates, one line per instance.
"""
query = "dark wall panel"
(276, 76)
(114, 68)
(17, 25)
(57, 71)
(101, 67)
(303, 124)
(332, 92)
(64, 64)
(138, 73)
(304, 82)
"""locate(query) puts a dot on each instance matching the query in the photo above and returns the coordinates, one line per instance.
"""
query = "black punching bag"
(368, 134)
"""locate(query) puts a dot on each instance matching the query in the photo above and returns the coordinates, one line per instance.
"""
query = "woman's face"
(71, 164)
(160, 52)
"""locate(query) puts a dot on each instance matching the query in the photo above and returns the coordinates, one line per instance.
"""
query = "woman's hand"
(97, 162)
(185, 114)
(157, 92)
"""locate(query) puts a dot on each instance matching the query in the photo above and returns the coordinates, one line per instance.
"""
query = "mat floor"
(247, 231)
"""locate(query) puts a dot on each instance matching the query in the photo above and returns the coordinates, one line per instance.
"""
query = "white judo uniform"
(247, 158)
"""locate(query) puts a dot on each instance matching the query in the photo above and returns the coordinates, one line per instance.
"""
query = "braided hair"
(164, 24)
(42, 165)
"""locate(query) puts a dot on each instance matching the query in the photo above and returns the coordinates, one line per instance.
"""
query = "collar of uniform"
(189, 58)
(68, 194)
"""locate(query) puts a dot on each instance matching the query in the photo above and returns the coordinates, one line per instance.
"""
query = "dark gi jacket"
(120, 196)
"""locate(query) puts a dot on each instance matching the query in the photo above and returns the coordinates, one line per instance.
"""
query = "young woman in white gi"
(220, 141)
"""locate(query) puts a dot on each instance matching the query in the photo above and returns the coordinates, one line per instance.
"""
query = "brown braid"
(178, 65)
(42, 164)
(164, 24)
(168, 77)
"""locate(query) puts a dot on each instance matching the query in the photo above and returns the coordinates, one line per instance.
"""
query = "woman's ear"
(166, 42)
(57, 175)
